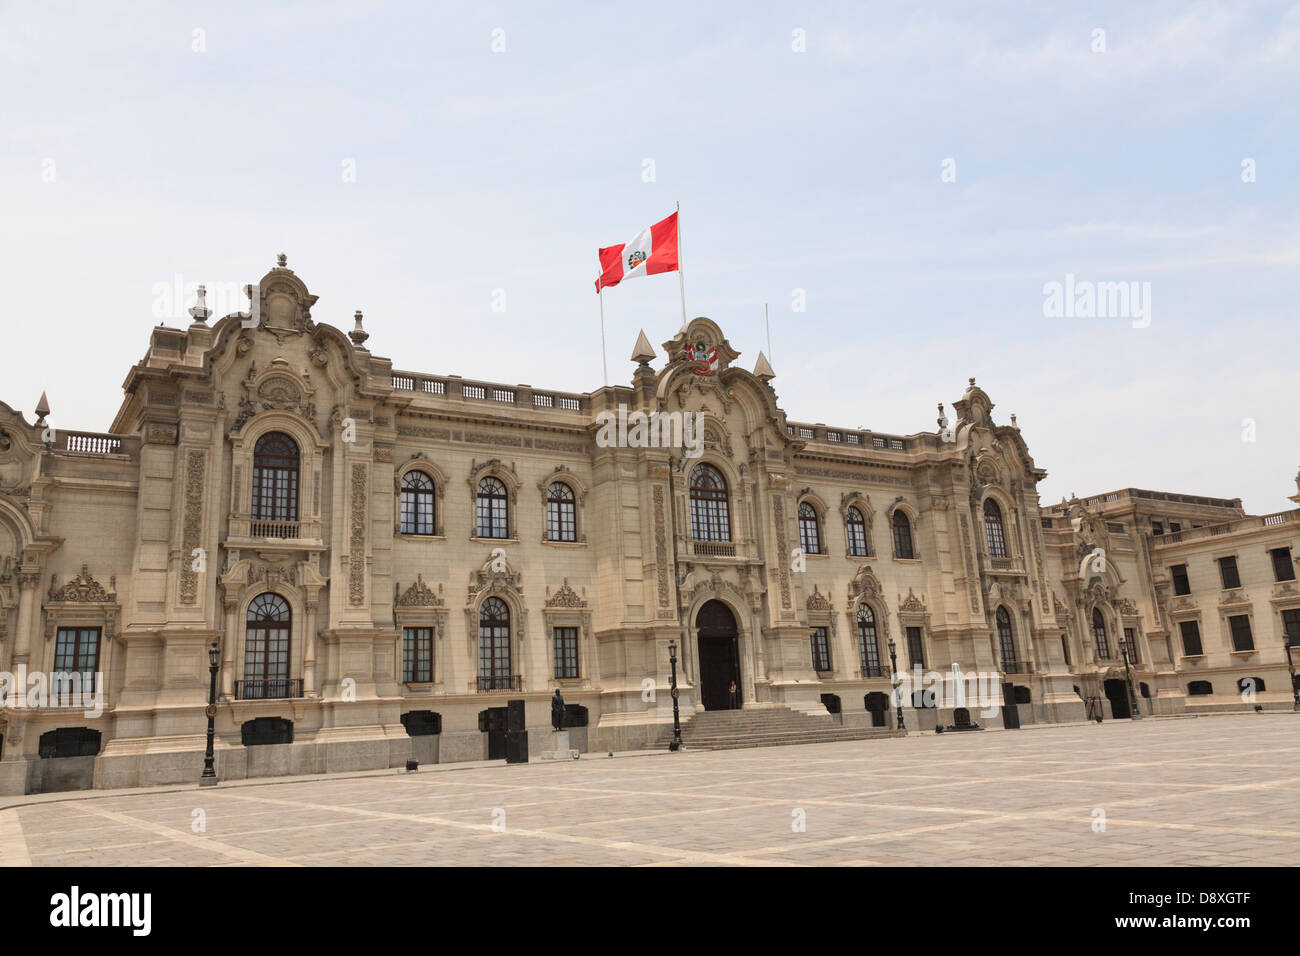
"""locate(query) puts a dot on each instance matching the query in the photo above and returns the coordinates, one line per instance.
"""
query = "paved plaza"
(1215, 791)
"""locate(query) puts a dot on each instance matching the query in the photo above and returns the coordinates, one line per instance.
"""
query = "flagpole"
(768, 325)
(681, 278)
(604, 361)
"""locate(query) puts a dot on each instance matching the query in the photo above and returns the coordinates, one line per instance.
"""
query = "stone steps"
(770, 727)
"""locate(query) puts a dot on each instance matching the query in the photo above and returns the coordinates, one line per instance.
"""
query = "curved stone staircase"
(765, 727)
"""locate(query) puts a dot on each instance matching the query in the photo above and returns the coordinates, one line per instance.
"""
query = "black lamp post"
(676, 743)
(1290, 666)
(1134, 713)
(893, 666)
(209, 778)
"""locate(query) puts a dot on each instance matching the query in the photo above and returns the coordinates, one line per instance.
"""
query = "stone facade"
(148, 536)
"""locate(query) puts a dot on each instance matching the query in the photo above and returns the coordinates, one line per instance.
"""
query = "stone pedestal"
(560, 749)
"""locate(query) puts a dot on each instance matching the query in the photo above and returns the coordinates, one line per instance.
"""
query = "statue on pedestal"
(557, 710)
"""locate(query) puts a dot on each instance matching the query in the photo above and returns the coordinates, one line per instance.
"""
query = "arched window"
(809, 539)
(417, 503)
(993, 529)
(561, 514)
(275, 478)
(868, 645)
(492, 514)
(856, 528)
(902, 535)
(494, 645)
(710, 519)
(1006, 643)
(1099, 634)
(266, 650)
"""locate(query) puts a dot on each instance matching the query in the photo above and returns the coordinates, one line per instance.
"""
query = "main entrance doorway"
(719, 657)
(1117, 693)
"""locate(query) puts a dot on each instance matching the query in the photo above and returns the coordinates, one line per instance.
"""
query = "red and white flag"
(650, 252)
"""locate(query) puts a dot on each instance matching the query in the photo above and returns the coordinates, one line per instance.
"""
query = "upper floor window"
(1129, 644)
(1191, 632)
(902, 535)
(561, 513)
(856, 527)
(993, 529)
(417, 655)
(417, 503)
(492, 514)
(809, 539)
(710, 518)
(76, 651)
(1228, 572)
(867, 643)
(1181, 584)
(1006, 642)
(566, 652)
(266, 649)
(1283, 566)
(275, 478)
(1099, 635)
(1242, 638)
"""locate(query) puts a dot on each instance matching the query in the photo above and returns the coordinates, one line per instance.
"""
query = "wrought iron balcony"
(487, 685)
(874, 670)
(274, 689)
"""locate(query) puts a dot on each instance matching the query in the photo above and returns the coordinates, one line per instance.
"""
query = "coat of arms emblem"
(704, 357)
(635, 258)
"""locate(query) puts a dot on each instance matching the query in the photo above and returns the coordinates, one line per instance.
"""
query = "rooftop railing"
(453, 387)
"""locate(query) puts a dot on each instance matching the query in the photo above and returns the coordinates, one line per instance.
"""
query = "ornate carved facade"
(270, 484)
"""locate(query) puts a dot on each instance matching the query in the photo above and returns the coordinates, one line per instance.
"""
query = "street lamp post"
(209, 778)
(1290, 666)
(1134, 713)
(893, 665)
(676, 743)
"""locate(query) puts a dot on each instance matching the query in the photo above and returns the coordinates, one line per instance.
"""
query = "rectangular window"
(76, 651)
(1157, 528)
(1181, 584)
(821, 649)
(1130, 645)
(1191, 638)
(1228, 572)
(417, 655)
(915, 648)
(1242, 639)
(1283, 566)
(566, 652)
(1291, 626)
(1175, 527)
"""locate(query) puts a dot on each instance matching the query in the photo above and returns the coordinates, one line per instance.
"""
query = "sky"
(899, 184)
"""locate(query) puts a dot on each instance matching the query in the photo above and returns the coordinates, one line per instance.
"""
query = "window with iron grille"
(1099, 635)
(1130, 645)
(492, 514)
(417, 655)
(1006, 642)
(1157, 528)
(275, 478)
(266, 646)
(809, 538)
(1181, 583)
(70, 742)
(1242, 638)
(868, 645)
(821, 649)
(1291, 625)
(566, 652)
(561, 513)
(993, 529)
(1191, 632)
(494, 644)
(417, 503)
(710, 519)
(915, 647)
(76, 651)
(1228, 572)
(1175, 527)
(902, 535)
(1283, 566)
(856, 527)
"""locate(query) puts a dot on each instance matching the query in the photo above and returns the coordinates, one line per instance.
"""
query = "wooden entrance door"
(719, 657)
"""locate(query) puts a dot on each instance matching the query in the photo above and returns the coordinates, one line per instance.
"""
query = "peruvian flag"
(648, 253)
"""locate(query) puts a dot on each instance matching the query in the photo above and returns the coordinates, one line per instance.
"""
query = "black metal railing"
(1017, 667)
(268, 689)
(873, 670)
(500, 682)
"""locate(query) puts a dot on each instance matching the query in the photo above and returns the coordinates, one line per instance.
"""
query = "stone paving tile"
(1210, 791)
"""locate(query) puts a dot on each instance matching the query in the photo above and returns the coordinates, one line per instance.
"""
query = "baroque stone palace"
(384, 558)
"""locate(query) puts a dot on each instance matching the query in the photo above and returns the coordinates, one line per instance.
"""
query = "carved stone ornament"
(83, 589)
(565, 597)
(911, 604)
(418, 594)
(865, 584)
(818, 601)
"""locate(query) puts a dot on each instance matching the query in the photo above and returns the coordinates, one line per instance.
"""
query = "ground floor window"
(1191, 632)
(821, 649)
(566, 652)
(70, 742)
(417, 655)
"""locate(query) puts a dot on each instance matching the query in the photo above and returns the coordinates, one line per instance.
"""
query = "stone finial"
(972, 381)
(358, 335)
(763, 369)
(42, 409)
(282, 261)
(200, 311)
(1013, 422)
(642, 352)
